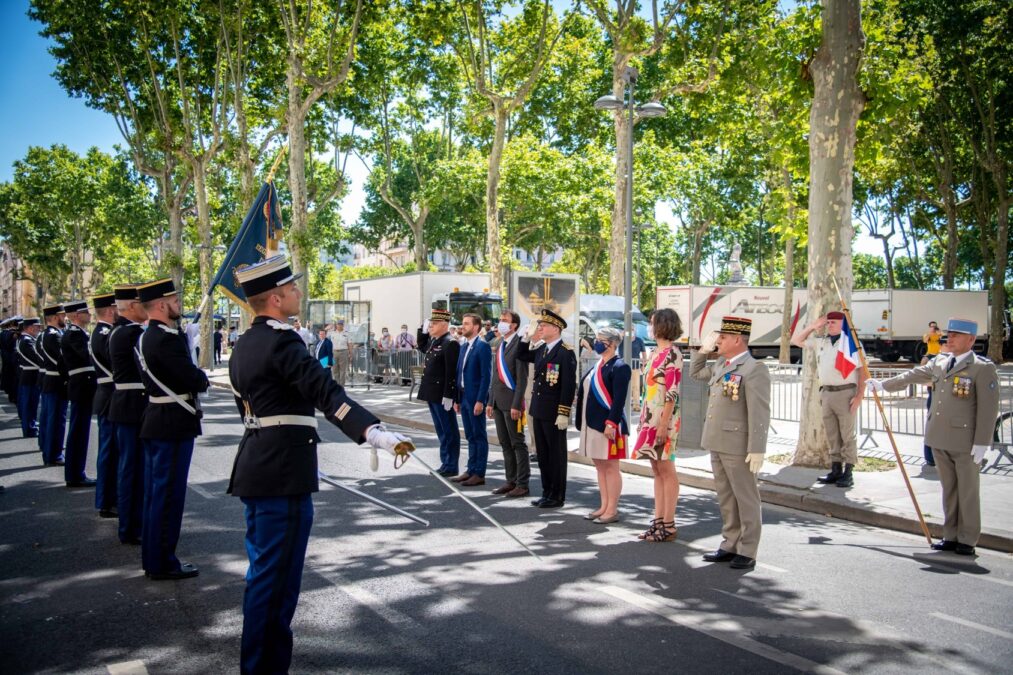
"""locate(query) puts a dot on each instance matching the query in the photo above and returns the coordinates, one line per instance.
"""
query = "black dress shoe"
(719, 555)
(964, 549)
(132, 541)
(537, 502)
(86, 483)
(58, 462)
(550, 504)
(447, 474)
(944, 545)
(741, 562)
(108, 513)
(185, 571)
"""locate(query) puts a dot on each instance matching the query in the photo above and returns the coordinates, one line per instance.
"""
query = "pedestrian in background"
(324, 351)
(342, 346)
(601, 419)
(660, 421)
(933, 341)
(218, 339)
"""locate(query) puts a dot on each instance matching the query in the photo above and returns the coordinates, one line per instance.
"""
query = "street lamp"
(646, 110)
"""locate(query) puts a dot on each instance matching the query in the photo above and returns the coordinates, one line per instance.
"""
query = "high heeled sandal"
(649, 532)
(667, 532)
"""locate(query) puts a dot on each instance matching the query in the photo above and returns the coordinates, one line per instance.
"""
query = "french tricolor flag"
(847, 351)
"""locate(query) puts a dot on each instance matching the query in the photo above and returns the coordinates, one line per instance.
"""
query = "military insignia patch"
(279, 325)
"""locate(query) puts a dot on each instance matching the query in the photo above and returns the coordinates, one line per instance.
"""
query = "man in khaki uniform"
(342, 353)
(840, 397)
(735, 434)
(965, 404)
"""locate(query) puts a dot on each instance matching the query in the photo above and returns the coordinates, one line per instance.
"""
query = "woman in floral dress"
(659, 423)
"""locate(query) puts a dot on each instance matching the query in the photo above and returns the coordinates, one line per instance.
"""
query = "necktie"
(728, 362)
(953, 362)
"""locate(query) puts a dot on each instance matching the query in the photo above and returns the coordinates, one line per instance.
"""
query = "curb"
(770, 493)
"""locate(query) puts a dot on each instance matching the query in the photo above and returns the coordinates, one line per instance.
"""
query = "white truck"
(700, 309)
(409, 298)
(891, 322)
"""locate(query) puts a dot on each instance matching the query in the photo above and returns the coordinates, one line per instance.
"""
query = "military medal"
(731, 386)
(552, 373)
(961, 387)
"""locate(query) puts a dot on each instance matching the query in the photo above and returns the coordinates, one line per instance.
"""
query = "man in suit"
(169, 425)
(126, 408)
(80, 392)
(324, 350)
(31, 368)
(552, 394)
(506, 405)
(439, 386)
(53, 411)
(474, 364)
(108, 456)
(965, 404)
(735, 434)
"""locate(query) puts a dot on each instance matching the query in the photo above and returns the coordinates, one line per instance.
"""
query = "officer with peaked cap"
(30, 369)
(278, 384)
(438, 387)
(965, 405)
(169, 426)
(80, 391)
(108, 456)
(553, 390)
(53, 410)
(735, 434)
(126, 407)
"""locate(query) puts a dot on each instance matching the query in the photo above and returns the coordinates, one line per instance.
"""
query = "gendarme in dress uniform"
(80, 391)
(53, 410)
(30, 372)
(107, 457)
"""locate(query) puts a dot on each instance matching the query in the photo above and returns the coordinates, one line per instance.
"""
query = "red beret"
(839, 316)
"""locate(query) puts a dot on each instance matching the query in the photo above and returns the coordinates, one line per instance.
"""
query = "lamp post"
(646, 110)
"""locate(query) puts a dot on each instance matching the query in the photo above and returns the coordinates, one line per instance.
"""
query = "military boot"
(846, 480)
(835, 473)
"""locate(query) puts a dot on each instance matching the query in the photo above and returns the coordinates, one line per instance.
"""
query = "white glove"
(448, 403)
(529, 332)
(874, 385)
(978, 452)
(425, 326)
(755, 461)
(709, 343)
(382, 439)
(562, 421)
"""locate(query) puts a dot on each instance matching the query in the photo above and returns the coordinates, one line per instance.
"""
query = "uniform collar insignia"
(278, 325)
(167, 329)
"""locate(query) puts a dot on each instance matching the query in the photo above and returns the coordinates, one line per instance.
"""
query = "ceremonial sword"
(369, 498)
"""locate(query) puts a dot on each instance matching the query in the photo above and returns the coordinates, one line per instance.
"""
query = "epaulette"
(167, 329)
(279, 325)
(983, 359)
(104, 329)
(567, 346)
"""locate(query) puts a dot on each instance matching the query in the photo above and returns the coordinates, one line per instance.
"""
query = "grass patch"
(869, 464)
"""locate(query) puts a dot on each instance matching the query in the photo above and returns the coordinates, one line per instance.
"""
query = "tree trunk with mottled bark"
(492, 239)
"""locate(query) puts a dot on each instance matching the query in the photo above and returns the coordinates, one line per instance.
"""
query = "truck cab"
(487, 305)
(600, 311)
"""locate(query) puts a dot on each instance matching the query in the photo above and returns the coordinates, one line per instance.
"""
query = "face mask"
(404, 330)
(650, 332)
(599, 347)
(385, 332)
(503, 327)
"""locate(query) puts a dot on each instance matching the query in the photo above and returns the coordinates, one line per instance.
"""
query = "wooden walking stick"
(882, 412)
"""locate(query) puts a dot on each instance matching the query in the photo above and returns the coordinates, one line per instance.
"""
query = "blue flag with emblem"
(256, 239)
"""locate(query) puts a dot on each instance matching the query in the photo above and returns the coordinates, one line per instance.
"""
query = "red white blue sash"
(598, 387)
(501, 367)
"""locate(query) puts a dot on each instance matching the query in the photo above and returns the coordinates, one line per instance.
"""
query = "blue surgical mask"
(600, 347)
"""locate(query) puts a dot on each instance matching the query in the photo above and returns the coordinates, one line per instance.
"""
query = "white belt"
(280, 420)
(120, 386)
(53, 372)
(168, 399)
(85, 369)
(104, 380)
(29, 367)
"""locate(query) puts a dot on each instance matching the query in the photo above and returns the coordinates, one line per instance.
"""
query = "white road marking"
(357, 591)
(127, 668)
(203, 492)
(971, 624)
(729, 633)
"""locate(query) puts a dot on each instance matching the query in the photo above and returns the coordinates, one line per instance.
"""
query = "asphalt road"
(383, 595)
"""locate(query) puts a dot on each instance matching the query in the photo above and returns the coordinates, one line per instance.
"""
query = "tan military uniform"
(738, 416)
(836, 392)
(965, 404)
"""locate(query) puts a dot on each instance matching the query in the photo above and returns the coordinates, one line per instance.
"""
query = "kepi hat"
(736, 325)
(553, 319)
(104, 300)
(125, 292)
(265, 275)
(441, 315)
(52, 310)
(155, 290)
(962, 326)
(75, 306)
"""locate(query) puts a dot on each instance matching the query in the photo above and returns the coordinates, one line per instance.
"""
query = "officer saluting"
(31, 366)
(552, 394)
(80, 391)
(108, 457)
(53, 413)
(278, 384)
(169, 425)
(439, 387)
(735, 434)
(965, 404)
(125, 409)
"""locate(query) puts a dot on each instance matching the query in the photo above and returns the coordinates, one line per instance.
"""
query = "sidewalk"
(879, 499)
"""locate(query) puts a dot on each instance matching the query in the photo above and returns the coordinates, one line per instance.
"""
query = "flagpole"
(882, 412)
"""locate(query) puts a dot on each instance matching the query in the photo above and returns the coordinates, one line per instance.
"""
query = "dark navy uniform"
(439, 384)
(169, 425)
(552, 394)
(108, 456)
(278, 386)
(30, 365)
(81, 394)
(9, 364)
(126, 407)
(53, 411)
